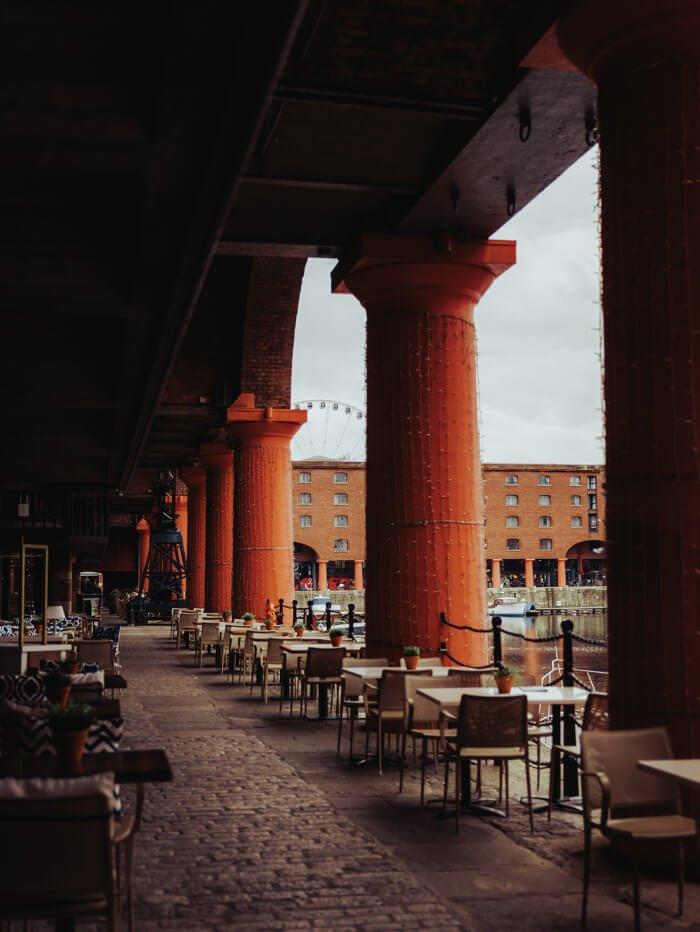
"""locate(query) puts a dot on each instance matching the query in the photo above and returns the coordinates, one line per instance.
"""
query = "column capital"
(433, 275)
(274, 426)
(193, 476)
(605, 39)
(216, 456)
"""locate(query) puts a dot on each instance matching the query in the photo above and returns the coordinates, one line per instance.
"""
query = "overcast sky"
(537, 328)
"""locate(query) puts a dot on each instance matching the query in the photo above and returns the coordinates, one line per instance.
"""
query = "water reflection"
(539, 659)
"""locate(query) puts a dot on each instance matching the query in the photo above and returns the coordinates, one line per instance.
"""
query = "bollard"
(570, 773)
(280, 612)
(351, 621)
(497, 648)
(328, 616)
(309, 616)
(567, 627)
(294, 612)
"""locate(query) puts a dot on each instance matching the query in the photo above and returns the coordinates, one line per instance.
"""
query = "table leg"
(323, 701)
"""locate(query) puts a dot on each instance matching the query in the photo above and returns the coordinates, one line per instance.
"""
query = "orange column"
(529, 572)
(217, 459)
(143, 529)
(263, 544)
(322, 577)
(181, 510)
(359, 578)
(645, 59)
(561, 572)
(195, 478)
(495, 573)
(425, 523)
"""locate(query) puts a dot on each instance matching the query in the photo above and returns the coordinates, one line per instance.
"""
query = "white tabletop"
(303, 647)
(685, 771)
(431, 701)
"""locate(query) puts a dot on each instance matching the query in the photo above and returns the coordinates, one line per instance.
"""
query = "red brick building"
(545, 524)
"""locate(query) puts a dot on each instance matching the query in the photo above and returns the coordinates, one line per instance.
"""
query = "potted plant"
(70, 726)
(227, 617)
(248, 618)
(299, 629)
(57, 685)
(411, 656)
(336, 634)
(505, 679)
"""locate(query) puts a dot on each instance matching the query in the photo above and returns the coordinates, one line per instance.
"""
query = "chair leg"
(340, 730)
(635, 889)
(681, 872)
(529, 792)
(352, 730)
(458, 794)
(507, 789)
(553, 765)
(586, 872)
(424, 752)
(380, 743)
(403, 762)
(445, 785)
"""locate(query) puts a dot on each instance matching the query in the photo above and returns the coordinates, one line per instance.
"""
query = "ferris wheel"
(334, 430)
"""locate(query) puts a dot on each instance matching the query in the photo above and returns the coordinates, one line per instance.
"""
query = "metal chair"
(613, 785)
(207, 636)
(93, 651)
(351, 703)
(272, 664)
(386, 708)
(186, 625)
(489, 728)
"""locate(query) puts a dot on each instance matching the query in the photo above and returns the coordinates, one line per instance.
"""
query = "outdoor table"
(298, 650)
(14, 661)
(139, 767)
(685, 771)
(430, 702)
(357, 677)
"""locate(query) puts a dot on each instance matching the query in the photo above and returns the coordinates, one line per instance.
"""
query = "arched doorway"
(305, 561)
(586, 564)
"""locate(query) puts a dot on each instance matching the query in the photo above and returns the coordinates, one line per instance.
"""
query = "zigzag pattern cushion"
(27, 690)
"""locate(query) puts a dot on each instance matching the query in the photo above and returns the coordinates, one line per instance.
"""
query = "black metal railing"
(567, 638)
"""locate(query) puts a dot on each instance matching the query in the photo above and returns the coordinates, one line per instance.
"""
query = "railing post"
(351, 621)
(497, 648)
(280, 612)
(567, 627)
(294, 612)
(309, 616)
(328, 616)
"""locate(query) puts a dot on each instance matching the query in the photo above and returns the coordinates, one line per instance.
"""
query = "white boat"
(509, 605)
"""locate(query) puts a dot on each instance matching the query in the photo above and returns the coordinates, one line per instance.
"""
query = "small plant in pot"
(57, 685)
(336, 635)
(248, 618)
(227, 616)
(299, 629)
(411, 656)
(505, 679)
(70, 726)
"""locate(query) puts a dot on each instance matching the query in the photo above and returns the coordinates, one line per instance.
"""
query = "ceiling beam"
(263, 48)
(229, 247)
(455, 110)
(357, 187)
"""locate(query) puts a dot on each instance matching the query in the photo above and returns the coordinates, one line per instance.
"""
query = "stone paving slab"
(265, 828)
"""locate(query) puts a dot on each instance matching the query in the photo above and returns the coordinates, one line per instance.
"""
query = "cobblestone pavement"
(264, 827)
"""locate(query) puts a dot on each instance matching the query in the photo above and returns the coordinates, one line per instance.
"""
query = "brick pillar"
(263, 540)
(645, 59)
(217, 460)
(359, 578)
(529, 572)
(322, 577)
(143, 529)
(561, 572)
(425, 522)
(496, 573)
(195, 478)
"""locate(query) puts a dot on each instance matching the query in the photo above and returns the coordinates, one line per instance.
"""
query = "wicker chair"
(613, 785)
(386, 708)
(100, 652)
(207, 636)
(38, 884)
(489, 728)
(596, 717)
(323, 670)
(351, 703)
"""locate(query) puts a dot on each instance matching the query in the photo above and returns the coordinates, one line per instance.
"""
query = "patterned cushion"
(28, 689)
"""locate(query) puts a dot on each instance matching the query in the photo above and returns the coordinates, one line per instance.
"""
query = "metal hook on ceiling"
(525, 120)
(510, 200)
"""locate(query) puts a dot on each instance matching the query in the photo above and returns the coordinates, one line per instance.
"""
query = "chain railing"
(567, 638)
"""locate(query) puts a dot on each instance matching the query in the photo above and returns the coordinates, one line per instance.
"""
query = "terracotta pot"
(70, 746)
(504, 684)
(248, 623)
(269, 624)
(60, 696)
(412, 661)
(299, 632)
(337, 640)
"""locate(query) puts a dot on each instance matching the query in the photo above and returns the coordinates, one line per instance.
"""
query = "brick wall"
(268, 335)
(322, 533)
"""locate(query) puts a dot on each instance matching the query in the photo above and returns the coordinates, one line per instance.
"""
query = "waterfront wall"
(542, 597)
